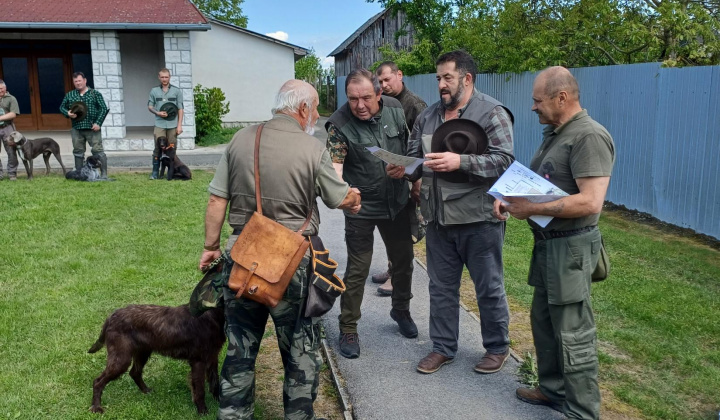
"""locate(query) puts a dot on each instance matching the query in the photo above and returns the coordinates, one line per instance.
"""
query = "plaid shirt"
(97, 109)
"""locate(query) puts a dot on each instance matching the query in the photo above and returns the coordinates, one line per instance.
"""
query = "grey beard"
(309, 126)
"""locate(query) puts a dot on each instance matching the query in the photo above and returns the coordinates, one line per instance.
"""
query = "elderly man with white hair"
(295, 169)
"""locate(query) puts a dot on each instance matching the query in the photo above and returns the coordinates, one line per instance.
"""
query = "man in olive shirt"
(294, 170)
(87, 129)
(391, 81)
(577, 155)
(9, 109)
(164, 127)
(371, 119)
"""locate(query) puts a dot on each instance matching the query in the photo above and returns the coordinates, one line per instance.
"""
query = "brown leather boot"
(433, 362)
(381, 277)
(386, 288)
(536, 397)
(491, 363)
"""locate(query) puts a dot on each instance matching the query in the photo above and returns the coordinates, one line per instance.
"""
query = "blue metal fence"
(665, 123)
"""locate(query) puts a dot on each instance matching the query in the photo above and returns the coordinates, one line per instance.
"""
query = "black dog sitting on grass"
(89, 172)
(176, 169)
(133, 333)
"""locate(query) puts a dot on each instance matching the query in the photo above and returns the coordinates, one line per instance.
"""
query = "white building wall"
(178, 58)
(142, 58)
(107, 77)
(248, 69)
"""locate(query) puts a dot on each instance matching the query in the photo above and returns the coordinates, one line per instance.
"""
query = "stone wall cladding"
(178, 60)
(107, 75)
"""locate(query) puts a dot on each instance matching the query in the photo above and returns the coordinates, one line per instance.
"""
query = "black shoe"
(350, 345)
(405, 322)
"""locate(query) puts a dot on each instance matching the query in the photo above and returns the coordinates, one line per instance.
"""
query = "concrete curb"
(339, 385)
(474, 316)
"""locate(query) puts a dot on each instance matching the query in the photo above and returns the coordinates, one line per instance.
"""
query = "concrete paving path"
(383, 382)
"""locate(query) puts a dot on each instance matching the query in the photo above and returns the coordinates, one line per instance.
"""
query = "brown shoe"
(536, 397)
(386, 288)
(433, 362)
(491, 363)
(381, 278)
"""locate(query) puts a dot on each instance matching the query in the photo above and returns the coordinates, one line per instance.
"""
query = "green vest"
(382, 197)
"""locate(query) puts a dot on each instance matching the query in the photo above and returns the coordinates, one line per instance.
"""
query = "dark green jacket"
(382, 197)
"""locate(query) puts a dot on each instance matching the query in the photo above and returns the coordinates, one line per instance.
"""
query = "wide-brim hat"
(171, 109)
(461, 136)
(80, 110)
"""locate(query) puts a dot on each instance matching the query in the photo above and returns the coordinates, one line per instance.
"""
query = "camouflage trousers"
(298, 338)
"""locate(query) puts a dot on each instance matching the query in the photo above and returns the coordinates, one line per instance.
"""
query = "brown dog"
(176, 169)
(132, 333)
(30, 149)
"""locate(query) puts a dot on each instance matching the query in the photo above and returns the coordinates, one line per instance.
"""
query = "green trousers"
(298, 339)
(562, 322)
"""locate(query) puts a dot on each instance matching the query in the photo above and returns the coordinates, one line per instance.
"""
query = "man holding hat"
(372, 119)
(87, 109)
(166, 103)
(467, 138)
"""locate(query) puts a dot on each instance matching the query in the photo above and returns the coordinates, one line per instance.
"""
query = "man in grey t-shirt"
(166, 125)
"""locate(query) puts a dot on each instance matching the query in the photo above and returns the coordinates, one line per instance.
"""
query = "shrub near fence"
(664, 122)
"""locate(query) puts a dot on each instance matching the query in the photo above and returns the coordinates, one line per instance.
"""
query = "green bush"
(210, 107)
(222, 136)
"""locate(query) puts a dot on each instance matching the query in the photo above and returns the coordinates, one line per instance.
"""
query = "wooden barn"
(361, 49)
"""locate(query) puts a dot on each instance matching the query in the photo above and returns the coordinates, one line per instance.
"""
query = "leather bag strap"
(258, 196)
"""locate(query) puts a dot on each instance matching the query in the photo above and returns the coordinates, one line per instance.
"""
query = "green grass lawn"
(658, 317)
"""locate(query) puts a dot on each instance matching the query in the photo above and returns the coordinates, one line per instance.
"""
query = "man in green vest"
(391, 81)
(462, 230)
(9, 109)
(577, 155)
(371, 119)
(295, 169)
(168, 126)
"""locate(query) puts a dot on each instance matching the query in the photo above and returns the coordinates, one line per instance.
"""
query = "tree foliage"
(210, 107)
(226, 10)
(521, 35)
(309, 69)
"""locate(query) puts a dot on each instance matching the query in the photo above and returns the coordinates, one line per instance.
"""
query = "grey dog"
(30, 149)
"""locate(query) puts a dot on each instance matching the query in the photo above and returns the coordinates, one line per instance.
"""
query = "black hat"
(80, 110)
(461, 136)
(171, 110)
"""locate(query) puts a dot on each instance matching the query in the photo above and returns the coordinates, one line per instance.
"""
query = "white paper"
(519, 181)
(410, 163)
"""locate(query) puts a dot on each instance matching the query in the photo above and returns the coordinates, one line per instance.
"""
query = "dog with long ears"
(176, 169)
(90, 171)
(30, 149)
(133, 333)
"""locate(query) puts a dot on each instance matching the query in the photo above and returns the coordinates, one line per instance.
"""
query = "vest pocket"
(460, 205)
(369, 192)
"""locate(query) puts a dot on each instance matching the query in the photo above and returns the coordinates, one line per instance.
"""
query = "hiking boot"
(386, 288)
(350, 345)
(433, 362)
(491, 363)
(155, 168)
(536, 397)
(405, 322)
(381, 278)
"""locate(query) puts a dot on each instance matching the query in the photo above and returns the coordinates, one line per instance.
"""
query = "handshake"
(351, 202)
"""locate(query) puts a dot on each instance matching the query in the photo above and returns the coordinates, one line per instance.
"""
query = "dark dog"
(89, 172)
(176, 169)
(30, 149)
(132, 333)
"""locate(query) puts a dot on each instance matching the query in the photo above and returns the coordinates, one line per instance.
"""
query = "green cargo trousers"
(298, 338)
(562, 322)
(359, 240)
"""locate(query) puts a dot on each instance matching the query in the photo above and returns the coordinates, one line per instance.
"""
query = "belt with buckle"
(552, 234)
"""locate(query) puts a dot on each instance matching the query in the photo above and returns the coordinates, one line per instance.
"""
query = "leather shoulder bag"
(266, 254)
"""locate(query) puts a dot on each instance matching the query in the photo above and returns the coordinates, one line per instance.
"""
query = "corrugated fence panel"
(665, 124)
